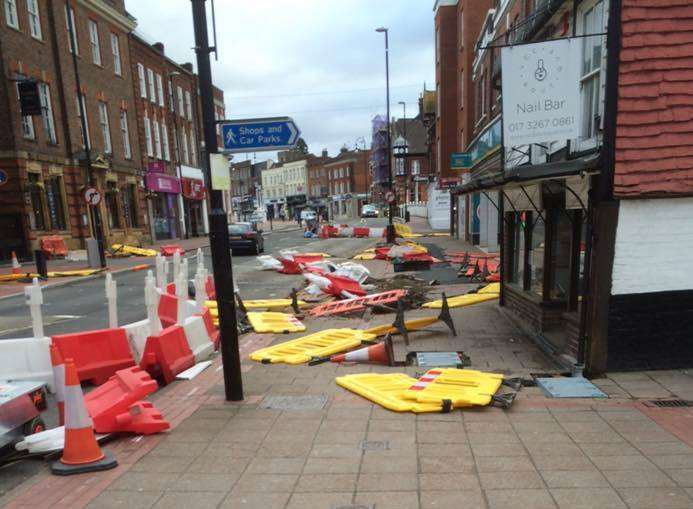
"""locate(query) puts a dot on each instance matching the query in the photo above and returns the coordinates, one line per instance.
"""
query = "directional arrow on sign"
(258, 135)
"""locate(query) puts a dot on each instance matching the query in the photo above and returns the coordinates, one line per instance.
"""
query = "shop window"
(561, 234)
(55, 202)
(130, 206)
(112, 205)
(536, 257)
(517, 267)
(36, 218)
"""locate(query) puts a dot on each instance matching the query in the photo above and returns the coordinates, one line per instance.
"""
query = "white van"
(308, 215)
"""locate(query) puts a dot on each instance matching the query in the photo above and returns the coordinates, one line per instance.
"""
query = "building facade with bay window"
(578, 220)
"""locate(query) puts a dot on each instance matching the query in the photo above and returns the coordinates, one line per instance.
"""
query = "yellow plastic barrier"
(468, 299)
(490, 288)
(268, 322)
(320, 344)
(410, 325)
(258, 304)
(364, 256)
(75, 273)
(386, 390)
(136, 251)
(439, 234)
(460, 388)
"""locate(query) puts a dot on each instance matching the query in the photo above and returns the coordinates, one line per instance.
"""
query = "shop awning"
(527, 175)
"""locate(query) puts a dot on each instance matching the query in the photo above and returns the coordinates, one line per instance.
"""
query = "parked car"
(308, 215)
(242, 236)
(369, 211)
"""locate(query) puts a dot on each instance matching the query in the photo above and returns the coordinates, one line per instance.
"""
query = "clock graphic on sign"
(540, 70)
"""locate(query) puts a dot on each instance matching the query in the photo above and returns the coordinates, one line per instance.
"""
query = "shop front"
(163, 191)
(295, 203)
(194, 202)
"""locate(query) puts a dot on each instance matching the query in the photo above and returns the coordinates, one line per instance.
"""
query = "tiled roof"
(654, 146)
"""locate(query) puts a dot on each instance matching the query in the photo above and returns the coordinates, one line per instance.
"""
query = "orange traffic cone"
(16, 268)
(81, 452)
(381, 353)
(59, 380)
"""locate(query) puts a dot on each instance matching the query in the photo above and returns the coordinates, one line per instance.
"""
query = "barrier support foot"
(446, 317)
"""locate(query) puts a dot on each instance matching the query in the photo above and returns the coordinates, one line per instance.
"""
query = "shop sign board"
(541, 92)
(221, 176)
(460, 160)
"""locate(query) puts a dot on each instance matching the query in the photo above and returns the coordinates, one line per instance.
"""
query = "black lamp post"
(390, 225)
(406, 168)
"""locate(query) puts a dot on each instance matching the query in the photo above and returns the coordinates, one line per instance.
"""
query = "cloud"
(320, 62)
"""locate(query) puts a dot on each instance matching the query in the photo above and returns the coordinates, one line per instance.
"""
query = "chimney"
(187, 66)
(159, 46)
(325, 153)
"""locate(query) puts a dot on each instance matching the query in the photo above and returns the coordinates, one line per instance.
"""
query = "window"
(105, 127)
(536, 257)
(143, 84)
(157, 139)
(115, 49)
(592, 23)
(34, 19)
(188, 106)
(519, 233)
(415, 167)
(36, 218)
(94, 42)
(148, 136)
(47, 107)
(86, 120)
(561, 236)
(125, 132)
(28, 132)
(112, 205)
(184, 142)
(181, 105)
(172, 102)
(130, 206)
(11, 13)
(193, 148)
(164, 140)
(160, 89)
(71, 29)
(152, 86)
(56, 204)
(176, 144)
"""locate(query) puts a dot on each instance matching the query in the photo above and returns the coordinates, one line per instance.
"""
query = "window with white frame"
(143, 83)
(172, 102)
(94, 42)
(176, 144)
(157, 139)
(71, 34)
(125, 132)
(34, 19)
(86, 120)
(164, 141)
(186, 150)
(160, 89)
(47, 107)
(193, 148)
(115, 51)
(592, 19)
(152, 86)
(188, 106)
(11, 13)
(148, 136)
(105, 127)
(28, 131)
(181, 104)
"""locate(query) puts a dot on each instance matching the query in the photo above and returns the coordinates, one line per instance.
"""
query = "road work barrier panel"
(97, 354)
(166, 354)
(26, 359)
(386, 390)
(198, 338)
(114, 398)
(137, 334)
(168, 310)
(278, 323)
(213, 332)
(318, 345)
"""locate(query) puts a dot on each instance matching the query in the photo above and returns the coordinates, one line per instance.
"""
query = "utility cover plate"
(375, 445)
(316, 402)
(442, 359)
(573, 387)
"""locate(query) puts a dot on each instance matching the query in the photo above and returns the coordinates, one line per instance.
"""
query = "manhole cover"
(375, 445)
(316, 402)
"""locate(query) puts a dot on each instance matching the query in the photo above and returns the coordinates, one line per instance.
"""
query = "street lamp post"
(390, 225)
(406, 168)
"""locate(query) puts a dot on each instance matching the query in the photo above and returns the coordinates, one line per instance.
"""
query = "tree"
(301, 147)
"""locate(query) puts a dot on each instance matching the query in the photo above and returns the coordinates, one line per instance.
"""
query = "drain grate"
(375, 445)
(316, 402)
(670, 403)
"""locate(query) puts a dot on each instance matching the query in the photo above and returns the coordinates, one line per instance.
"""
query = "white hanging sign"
(541, 92)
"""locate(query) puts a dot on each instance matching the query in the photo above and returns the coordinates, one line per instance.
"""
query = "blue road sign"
(257, 135)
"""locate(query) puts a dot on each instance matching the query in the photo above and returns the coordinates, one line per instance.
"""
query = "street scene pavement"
(299, 440)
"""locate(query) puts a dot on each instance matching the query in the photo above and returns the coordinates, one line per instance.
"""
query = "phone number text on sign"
(556, 122)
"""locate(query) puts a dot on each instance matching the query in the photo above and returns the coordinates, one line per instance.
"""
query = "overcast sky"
(321, 62)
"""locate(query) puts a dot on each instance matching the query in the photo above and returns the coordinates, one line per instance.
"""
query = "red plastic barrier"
(382, 253)
(168, 309)
(54, 245)
(108, 401)
(170, 249)
(418, 257)
(360, 231)
(210, 288)
(339, 284)
(97, 354)
(142, 418)
(290, 267)
(304, 258)
(167, 354)
(171, 288)
(493, 278)
(211, 329)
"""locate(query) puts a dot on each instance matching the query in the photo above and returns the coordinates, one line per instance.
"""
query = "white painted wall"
(654, 246)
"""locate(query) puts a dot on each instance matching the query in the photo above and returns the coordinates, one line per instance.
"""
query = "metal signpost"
(261, 134)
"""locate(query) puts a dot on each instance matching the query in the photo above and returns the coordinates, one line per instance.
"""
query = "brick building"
(348, 182)
(317, 183)
(410, 166)
(42, 157)
(242, 190)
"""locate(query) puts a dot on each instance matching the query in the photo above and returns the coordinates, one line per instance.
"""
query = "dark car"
(242, 236)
